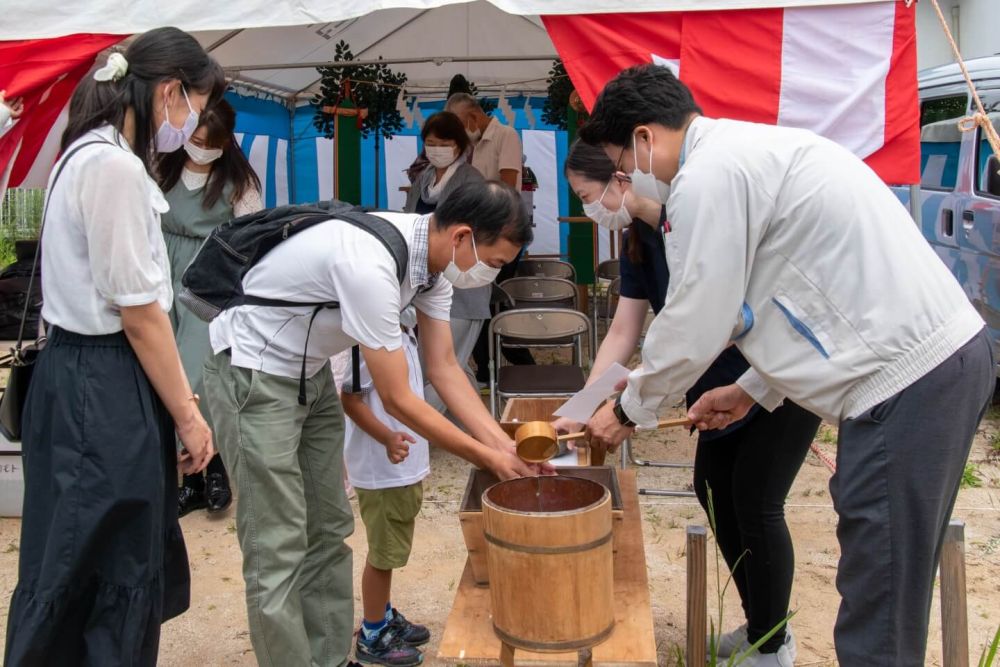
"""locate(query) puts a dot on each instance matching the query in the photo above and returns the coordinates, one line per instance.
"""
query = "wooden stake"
(954, 611)
(697, 595)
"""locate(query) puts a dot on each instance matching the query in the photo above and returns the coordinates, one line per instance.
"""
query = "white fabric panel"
(604, 243)
(325, 167)
(239, 137)
(540, 151)
(674, 64)
(38, 175)
(849, 107)
(281, 173)
(400, 152)
(53, 18)
(258, 160)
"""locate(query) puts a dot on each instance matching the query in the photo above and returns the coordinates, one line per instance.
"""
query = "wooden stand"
(954, 612)
(469, 637)
(585, 658)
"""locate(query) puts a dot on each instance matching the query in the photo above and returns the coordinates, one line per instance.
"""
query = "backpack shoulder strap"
(385, 232)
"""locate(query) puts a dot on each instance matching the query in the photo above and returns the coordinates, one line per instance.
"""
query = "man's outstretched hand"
(720, 407)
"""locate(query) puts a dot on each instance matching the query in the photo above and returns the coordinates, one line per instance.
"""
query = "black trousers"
(750, 472)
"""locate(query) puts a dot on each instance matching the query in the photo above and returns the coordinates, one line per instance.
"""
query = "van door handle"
(948, 222)
(968, 218)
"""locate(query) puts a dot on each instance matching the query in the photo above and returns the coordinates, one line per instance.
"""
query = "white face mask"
(479, 275)
(170, 138)
(645, 184)
(202, 156)
(474, 135)
(613, 220)
(441, 156)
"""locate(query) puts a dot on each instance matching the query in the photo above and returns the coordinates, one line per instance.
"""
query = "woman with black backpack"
(206, 184)
(102, 560)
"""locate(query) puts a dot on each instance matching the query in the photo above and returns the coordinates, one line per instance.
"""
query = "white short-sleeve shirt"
(368, 466)
(102, 244)
(332, 261)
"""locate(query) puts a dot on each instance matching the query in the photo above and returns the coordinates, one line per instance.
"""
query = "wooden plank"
(697, 601)
(468, 634)
(954, 612)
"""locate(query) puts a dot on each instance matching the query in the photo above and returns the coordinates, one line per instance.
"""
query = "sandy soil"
(214, 631)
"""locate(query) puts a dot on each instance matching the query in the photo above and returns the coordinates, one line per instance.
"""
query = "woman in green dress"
(206, 185)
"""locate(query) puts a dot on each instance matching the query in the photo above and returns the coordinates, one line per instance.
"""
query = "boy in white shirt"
(386, 463)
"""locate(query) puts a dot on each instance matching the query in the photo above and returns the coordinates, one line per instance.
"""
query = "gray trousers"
(898, 471)
(464, 334)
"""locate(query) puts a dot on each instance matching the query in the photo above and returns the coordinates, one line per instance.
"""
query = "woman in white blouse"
(102, 559)
(207, 184)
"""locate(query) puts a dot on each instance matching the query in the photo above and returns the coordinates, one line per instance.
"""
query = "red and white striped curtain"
(847, 72)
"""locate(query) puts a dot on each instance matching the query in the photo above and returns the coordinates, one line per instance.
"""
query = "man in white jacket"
(790, 247)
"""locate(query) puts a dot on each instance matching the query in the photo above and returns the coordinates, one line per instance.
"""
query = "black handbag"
(23, 357)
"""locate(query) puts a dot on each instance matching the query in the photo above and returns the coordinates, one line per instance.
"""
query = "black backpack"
(213, 281)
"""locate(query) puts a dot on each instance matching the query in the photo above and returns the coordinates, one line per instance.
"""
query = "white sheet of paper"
(570, 458)
(581, 407)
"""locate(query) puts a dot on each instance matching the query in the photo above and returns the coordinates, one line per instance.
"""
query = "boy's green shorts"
(389, 516)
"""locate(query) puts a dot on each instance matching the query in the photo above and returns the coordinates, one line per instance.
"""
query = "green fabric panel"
(348, 147)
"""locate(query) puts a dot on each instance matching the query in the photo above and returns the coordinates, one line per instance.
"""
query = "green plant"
(970, 477)
(20, 219)
(827, 435)
(993, 447)
(560, 88)
(990, 652)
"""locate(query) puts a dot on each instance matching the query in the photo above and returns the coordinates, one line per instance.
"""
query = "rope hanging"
(980, 117)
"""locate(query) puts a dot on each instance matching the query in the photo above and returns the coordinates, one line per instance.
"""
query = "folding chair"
(608, 303)
(541, 292)
(607, 271)
(628, 457)
(537, 328)
(546, 268)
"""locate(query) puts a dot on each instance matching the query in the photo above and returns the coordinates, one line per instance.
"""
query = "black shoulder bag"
(23, 357)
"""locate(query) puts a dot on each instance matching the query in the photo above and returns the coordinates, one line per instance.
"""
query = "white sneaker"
(729, 643)
(782, 658)
(736, 642)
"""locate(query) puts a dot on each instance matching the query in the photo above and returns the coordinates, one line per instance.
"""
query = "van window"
(941, 141)
(991, 102)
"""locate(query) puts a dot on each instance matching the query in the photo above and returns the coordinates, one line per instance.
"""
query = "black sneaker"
(190, 499)
(411, 633)
(220, 497)
(386, 648)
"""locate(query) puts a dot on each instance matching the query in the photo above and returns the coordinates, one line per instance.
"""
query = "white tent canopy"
(54, 18)
(490, 47)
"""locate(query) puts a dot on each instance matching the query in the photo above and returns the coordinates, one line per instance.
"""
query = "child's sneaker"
(386, 648)
(411, 633)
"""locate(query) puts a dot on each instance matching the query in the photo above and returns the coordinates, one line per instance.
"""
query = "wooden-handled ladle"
(538, 441)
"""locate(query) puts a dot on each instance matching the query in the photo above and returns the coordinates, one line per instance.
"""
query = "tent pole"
(292, 195)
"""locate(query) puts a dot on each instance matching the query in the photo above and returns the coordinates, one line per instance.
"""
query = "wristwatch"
(620, 413)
